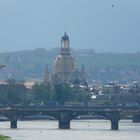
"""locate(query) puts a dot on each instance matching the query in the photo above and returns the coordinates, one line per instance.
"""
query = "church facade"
(64, 63)
(64, 70)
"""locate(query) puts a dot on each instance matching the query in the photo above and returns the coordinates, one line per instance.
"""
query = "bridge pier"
(114, 125)
(115, 117)
(136, 118)
(13, 121)
(64, 119)
(13, 124)
(64, 124)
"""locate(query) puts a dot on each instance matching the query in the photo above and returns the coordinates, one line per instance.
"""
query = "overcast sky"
(104, 25)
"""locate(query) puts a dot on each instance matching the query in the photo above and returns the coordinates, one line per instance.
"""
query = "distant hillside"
(105, 67)
(26, 64)
(99, 66)
(109, 60)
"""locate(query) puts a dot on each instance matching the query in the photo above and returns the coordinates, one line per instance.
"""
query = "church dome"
(64, 62)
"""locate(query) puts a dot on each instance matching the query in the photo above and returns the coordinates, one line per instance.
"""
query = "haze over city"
(106, 26)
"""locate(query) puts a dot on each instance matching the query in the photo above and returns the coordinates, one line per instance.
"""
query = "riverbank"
(4, 137)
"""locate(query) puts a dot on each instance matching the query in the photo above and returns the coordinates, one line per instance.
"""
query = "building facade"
(64, 63)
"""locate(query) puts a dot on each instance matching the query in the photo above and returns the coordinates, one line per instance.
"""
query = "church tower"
(64, 62)
(65, 50)
(47, 76)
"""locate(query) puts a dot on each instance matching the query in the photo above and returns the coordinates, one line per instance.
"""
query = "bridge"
(65, 114)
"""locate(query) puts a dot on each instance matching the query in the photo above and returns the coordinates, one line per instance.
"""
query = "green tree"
(14, 94)
(79, 95)
(41, 93)
(63, 93)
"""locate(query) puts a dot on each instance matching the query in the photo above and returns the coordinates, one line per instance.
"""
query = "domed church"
(64, 62)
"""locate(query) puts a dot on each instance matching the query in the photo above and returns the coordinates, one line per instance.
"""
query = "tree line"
(42, 94)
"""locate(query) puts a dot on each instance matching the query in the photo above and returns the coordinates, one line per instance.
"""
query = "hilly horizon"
(102, 67)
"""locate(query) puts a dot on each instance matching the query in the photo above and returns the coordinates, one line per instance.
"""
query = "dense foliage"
(4, 137)
(41, 93)
(59, 94)
(12, 94)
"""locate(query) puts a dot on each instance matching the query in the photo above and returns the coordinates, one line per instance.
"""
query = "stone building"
(64, 67)
(64, 62)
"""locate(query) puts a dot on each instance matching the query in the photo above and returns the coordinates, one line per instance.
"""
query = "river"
(80, 130)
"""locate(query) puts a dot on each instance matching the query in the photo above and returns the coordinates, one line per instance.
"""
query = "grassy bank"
(4, 137)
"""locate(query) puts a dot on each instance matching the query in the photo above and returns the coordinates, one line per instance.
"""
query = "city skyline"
(105, 26)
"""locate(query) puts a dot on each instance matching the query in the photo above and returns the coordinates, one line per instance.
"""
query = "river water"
(80, 130)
